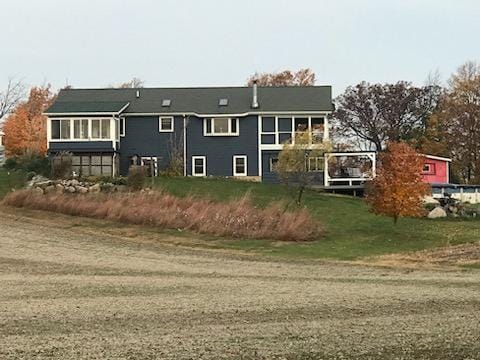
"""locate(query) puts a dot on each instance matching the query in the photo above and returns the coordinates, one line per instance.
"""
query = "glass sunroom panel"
(106, 129)
(65, 129)
(285, 124)
(268, 124)
(55, 129)
(96, 129)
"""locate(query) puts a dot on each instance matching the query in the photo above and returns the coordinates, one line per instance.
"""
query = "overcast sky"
(222, 42)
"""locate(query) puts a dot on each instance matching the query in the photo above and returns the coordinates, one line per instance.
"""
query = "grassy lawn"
(10, 180)
(352, 231)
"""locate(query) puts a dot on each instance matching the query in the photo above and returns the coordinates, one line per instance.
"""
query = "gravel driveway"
(74, 292)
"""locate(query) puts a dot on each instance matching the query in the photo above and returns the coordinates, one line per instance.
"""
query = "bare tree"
(377, 113)
(303, 77)
(11, 96)
(134, 83)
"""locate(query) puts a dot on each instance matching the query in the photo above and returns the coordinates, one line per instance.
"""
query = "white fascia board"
(271, 113)
(433, 157)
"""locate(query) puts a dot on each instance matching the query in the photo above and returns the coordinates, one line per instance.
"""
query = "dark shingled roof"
(193, 100)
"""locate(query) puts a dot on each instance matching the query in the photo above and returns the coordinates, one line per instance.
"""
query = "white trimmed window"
(165, 124)
(221, 126)
(315, 164)
(60, 129)
(80, 129)
(151, 165)
(199, 166)
(240, 165)
(122, 126)
(100, 129)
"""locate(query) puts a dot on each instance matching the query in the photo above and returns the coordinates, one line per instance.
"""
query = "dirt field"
(74, 292)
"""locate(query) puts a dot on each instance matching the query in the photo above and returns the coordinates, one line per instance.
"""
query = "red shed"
(436, 170)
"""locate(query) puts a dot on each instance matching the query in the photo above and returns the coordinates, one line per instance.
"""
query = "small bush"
(11, 163)
(236, 218)
(62, 165)
(29, 163)
(136, 177)
(118, 180)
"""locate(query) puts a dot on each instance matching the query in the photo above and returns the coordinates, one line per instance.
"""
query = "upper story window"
(100, 129)
(221, 126)
(165, 124)
(278, 130)
(81, 129)
(60, 129)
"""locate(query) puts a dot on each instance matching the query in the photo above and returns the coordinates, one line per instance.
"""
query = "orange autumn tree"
(25, 128)
(398, 190)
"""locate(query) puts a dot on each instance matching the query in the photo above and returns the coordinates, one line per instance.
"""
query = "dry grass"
(237, 218)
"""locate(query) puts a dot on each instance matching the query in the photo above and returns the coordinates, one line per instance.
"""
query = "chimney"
(255, 95)
(138, 94)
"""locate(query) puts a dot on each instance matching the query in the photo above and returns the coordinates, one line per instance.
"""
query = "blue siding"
(80, 146)
(267, 175)
(219, 150)
(142, 138)
(317, 178)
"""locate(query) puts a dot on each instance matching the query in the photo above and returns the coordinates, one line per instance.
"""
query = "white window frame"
(204, 159)
(160, 126)
(112, 137)
(155, 163)
(122, 127)
(212, 126)
(277, 145)
(235, 158)
(72, 123)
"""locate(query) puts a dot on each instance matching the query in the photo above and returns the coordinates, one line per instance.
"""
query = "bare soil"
(72, 289)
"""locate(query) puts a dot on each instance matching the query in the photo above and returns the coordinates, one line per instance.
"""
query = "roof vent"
(255, 95)
(223, 102)
(166, 102)
(138, 94)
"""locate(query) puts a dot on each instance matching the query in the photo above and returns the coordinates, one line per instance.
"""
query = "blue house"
(217, 131)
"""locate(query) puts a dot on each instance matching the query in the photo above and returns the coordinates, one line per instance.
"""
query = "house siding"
(143, 138)
(80, 146)
(439, 174)
(219, 150)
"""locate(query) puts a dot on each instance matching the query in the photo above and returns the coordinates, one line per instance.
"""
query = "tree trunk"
(300, 193)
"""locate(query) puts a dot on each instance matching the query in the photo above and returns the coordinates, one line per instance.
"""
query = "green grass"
(10, 180)
(352, 231)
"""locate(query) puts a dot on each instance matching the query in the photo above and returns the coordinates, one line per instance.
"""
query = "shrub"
(30, 162)
(136, 177)
(62, 165)
(118, 180)
(236, 218)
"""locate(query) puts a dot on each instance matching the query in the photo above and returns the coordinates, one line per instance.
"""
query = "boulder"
(94, 188)
(81, 189)
(60, 188)
(38, 190)
(36, 180)
(74, 182)
(431, 200)
(70, 189)
(437, 213)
